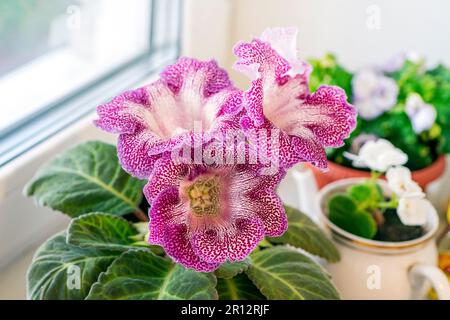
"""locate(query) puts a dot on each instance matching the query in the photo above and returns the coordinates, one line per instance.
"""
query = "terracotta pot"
(337, 172)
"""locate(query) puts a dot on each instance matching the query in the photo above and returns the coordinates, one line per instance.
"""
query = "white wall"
(340, 26)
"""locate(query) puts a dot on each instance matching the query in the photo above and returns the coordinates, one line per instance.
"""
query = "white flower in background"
(414, 211)
(400, 181)
(421, 114)
(378, 156)
(373, 93)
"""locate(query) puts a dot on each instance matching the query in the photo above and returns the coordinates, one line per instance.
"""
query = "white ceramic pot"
(371, 269)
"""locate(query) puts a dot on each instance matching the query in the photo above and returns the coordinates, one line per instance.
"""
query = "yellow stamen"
(204, 196)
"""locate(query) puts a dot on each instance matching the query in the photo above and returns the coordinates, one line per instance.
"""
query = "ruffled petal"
(193, 101)
(279, 98)
(284, 42)
(118, 116)
(281, 79)
(133, 149)
(254, 193)
(235, 245)
(166, 209)
(166, 174)
(178, 247)
(307, 148)
(269, 208)
(187, 73)
(329, 116)
(271, 66)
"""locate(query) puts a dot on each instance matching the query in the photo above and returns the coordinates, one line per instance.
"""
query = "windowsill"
(55, 66)
(23, 224)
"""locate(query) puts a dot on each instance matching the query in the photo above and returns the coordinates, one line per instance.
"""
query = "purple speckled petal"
(255, 193)
(165, 175)
(178, 247)
(329, 116)
(116, 116)
(166, 209)
(192, 99)
(132, 150)
(279, 98)
(181, 75)
(215, 247)
(269, 207)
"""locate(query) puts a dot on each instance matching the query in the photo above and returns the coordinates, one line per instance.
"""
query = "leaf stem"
(140, 215)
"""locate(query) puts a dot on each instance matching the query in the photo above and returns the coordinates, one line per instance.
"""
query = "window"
(61, 58)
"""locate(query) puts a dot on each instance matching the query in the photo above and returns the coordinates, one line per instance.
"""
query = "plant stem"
(140, 215)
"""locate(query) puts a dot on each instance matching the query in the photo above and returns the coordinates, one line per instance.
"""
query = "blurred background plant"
(401, 101)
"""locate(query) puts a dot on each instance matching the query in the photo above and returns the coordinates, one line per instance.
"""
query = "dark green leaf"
(343, 212)
(86, 178)
(285, 273)
(238, 288)
(366, 195)
(304, 233)
(101, 230)
(62, 271)
(229, 270)
(139, 274)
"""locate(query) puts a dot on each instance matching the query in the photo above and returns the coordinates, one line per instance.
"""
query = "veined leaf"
(229, 270)
(86, 178)
(102, 231)
(62, 271)
(141, 275)
(238, 288)
(304, 233)
(285, 273)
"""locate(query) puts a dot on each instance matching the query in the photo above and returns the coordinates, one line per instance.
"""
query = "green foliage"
(432, 85)
(142, 275)
(285, 273)
(238, 288)
(367, 195)
(57, 267)
(343, 211)
(228, 270)
(327, 71)
(105, 256)
(101, 230)
(304, 233)
(86, 178)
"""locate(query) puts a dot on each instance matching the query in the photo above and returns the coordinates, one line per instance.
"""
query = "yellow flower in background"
(448, 214)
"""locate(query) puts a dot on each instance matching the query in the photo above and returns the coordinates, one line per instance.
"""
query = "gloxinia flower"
(421, 114)
(378, 155)
(206, 215)
(279, 99)
(193, 100)
(373, 93)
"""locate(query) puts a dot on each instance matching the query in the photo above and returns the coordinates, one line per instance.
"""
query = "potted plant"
(385, 231)
(216, 227)
(402, 102)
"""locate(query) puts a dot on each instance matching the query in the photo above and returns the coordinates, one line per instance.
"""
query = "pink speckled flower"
(206, 215)
(279, 98)
(192, 101)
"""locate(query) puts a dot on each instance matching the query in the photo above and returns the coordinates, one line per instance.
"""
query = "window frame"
(40, 125)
